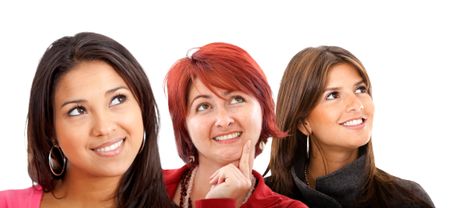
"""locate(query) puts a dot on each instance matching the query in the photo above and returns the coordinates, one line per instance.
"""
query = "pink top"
(26, 198)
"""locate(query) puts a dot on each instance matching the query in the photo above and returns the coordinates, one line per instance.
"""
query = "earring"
(262, 145)
(307, 146)
(192, 159)
(55, 158)
(143, 142)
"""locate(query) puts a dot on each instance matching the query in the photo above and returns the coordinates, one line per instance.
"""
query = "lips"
(354, 122)
(228, 136)
(108, 147)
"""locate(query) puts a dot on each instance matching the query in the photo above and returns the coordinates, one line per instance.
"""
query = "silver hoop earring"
(56, 161)
(143, 142)
(307, 146)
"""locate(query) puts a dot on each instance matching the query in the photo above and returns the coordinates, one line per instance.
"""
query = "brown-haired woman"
(325, 105)
(92, 130)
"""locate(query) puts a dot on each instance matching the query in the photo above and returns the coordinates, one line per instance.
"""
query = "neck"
(324, 161)
(87, 191)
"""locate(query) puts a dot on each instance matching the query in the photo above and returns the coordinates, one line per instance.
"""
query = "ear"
(304, 127)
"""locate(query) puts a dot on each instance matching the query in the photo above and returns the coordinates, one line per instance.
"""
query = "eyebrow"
(227, 92)
(83, 100)
(337, 88)
(198, 97)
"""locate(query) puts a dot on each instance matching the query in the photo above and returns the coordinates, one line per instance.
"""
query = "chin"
(229, 158)
(359, 143)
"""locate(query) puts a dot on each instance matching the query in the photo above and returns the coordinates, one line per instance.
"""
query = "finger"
(214, 178)
(244, 165)
(214, 174)
(251, 158)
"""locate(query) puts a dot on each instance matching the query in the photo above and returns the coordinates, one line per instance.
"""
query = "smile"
(228, 136)
(110, 148)
(354, 122)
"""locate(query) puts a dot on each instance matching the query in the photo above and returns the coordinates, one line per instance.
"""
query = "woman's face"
(342, 119)
(220, 126)
(98, 122)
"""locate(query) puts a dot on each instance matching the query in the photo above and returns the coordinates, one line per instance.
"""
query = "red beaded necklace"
(187, 182)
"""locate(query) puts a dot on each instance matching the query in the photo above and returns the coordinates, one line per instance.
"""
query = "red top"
(29, 198)
(261, 197)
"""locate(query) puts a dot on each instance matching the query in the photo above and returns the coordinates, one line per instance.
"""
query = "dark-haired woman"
(92, 130)
(325, 105)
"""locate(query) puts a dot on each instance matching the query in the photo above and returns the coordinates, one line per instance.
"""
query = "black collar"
(338, 189)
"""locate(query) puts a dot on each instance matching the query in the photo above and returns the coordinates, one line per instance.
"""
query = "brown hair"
(142, 184)
(224, 66)
(302, 84)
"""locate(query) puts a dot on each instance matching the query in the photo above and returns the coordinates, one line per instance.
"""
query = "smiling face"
(220, 126)
(343, 116)
(98, 122)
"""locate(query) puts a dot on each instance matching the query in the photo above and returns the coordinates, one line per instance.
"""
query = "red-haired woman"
(222, 112)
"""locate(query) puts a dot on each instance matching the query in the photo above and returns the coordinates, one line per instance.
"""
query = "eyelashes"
(237, 99)
(361, 89)
(332, 95)
(202, 107)
(336, 94)
(76, 111)
(79, 109)
(118, 99)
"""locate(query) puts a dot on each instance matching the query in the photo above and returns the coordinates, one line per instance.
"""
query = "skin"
(225, 166)
(340, 123)
(99, 127)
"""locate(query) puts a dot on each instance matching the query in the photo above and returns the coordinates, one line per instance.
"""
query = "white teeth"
(353, 122)
(110, 147)
(229, 136)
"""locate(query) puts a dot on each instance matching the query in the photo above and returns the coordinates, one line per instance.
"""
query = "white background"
(404, 46)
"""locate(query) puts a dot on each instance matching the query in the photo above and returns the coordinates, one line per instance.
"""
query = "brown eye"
(361, 89)
(332, 96)
(118, 100)
(237, 99)
(202, 107)
(77, 111)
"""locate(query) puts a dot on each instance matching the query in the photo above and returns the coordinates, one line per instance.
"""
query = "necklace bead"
(187, 183)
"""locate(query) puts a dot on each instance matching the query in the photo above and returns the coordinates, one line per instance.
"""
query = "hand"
(234, 182)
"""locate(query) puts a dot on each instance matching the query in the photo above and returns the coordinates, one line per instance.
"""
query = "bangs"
(225, 76)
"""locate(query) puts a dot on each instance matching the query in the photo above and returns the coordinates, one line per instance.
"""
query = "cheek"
(322, 118)
(369, 107)
(70, 139)
(66, 131)
(195, 127)
(254, 119)
(134, 120)
(129, 117)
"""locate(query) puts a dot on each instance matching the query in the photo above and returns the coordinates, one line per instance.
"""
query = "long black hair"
(142, 184)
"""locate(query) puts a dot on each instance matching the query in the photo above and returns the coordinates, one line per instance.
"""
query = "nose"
(224, 118)
(103, 124)
(354, 104)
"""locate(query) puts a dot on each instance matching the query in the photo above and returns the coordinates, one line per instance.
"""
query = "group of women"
(93, 124)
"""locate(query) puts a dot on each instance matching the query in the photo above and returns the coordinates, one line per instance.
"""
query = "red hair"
(223, 66)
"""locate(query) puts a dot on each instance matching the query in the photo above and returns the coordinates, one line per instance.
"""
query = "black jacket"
(342, 188)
